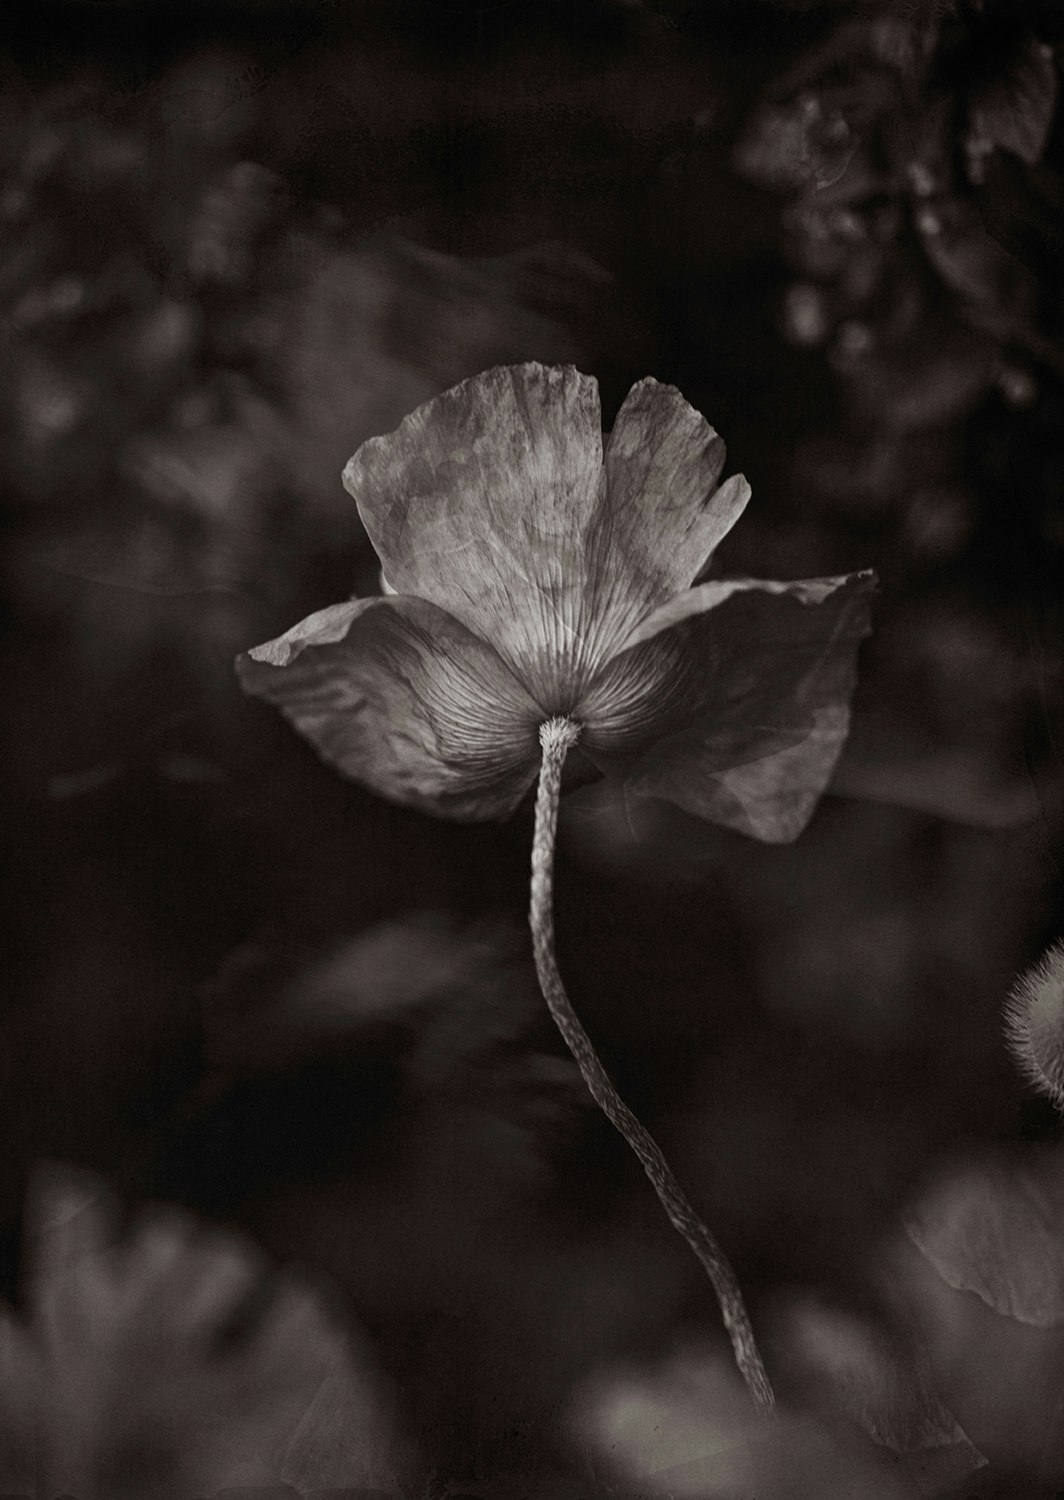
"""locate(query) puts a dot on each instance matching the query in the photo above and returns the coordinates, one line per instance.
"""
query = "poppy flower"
(539, 575)
(542, 609)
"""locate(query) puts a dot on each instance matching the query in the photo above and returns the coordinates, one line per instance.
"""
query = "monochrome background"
(296, 1025)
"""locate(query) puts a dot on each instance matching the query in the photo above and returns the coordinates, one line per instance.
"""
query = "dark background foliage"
(236, 240)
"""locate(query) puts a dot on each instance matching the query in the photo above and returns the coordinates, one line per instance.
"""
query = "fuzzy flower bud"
(1034, 1024)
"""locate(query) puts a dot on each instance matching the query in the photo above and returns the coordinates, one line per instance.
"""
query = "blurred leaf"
(943, 731)
(220, 473)
(996, 1228)
(797, 143)
(847, 1363)
(833, 101)
(359, 337)
(1023, 208)
(234, 212)
(452, 1009)
(972, 264)
(164, 1363)
(397, 968)
(1015, 109)
(924, 381)
(938, 523)
(957, 783)
(18, 1390)
(140, 552)
(456, 990)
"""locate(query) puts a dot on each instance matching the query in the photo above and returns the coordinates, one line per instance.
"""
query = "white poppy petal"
(666, 513)
(398, 695)
(482, 502)
(733, 700)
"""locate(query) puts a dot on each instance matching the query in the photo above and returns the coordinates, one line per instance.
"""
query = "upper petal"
(482, 502)
(732, 700)
(398, 695)
(665, 512)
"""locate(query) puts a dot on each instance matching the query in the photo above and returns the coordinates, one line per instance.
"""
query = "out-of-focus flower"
(538, 576)
(849, 1363)
(1014, 109)
(1034, 1024)
(682, 1431)
(993, 1226)
(164, 1363)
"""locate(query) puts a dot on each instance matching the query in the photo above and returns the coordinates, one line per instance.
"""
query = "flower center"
(559, 733)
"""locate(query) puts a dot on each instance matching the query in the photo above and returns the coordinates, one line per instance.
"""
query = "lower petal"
(398, 695)
(732, 700)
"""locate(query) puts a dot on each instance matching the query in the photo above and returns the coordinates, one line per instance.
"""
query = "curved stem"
(557, 736)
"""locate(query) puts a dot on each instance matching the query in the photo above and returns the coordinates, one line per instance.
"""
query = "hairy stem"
(556, 737)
